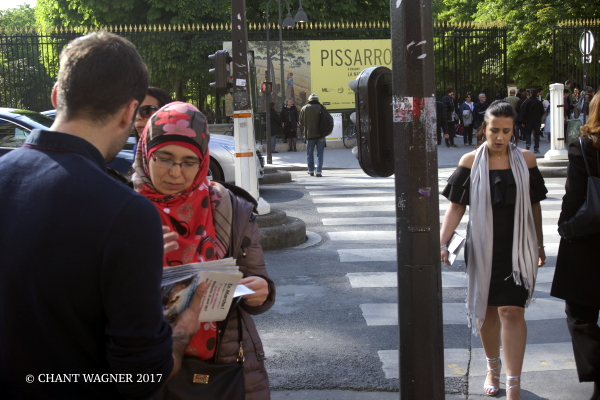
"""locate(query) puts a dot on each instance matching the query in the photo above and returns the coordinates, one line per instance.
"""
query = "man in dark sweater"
(80, 253)
(449, 115)
(479, 111)
(530, 117)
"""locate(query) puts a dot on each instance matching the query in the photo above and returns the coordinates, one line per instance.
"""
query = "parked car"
(15, 125)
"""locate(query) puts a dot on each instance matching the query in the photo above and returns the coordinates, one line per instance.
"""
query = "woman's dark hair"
(591, 129)
(469, 94)
(498, 109)
(162, 96)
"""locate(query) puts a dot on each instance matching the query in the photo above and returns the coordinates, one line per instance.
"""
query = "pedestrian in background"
(289, 118)
(502, 186)
(577, 274)
(522, 97)
(213, 220)
(155, 99)
(530, 116)
(479, 111)
(466, 110)
(309, 120)
(442, 125)
(547, 119)
(585, 109)
(512, 100)
(275, 127)
(450, 115)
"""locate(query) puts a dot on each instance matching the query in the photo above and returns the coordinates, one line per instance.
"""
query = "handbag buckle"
(240, 358)
(199, 378)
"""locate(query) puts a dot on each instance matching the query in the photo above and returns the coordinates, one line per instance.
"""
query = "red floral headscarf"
(189, 213)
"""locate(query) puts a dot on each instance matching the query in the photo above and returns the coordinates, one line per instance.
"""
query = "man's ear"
(54, 96)
(128, 113)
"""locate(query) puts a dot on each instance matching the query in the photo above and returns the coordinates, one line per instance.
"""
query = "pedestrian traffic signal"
(373, 101)
(222, 72)
(266, 87)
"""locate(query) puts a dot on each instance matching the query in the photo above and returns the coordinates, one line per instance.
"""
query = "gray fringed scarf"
(480, 234)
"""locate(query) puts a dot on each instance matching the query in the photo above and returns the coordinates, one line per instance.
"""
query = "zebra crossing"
(358, 214)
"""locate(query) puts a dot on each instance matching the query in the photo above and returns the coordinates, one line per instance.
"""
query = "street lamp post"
(287, 23)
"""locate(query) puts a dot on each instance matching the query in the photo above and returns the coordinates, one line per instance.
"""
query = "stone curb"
(289, 234)
(553, 168)
(553, 172)
(275, 217)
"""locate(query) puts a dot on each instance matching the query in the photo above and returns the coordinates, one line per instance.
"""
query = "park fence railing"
(567, 58)
(469, 57)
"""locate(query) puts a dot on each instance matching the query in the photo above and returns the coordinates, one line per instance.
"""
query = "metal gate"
(470, 58)
(567, 58)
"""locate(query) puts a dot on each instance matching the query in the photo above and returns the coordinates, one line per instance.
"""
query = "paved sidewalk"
(343, 158)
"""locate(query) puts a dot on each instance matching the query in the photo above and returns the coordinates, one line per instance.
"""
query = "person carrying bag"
(212, 221)
(577, 274)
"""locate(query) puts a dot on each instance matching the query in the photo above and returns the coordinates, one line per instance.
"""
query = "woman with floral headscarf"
(212, 221)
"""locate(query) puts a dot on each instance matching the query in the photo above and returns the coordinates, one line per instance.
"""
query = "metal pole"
(268, 95)
(554, 55)
(243, 121)
(281, 89)
(421, 347)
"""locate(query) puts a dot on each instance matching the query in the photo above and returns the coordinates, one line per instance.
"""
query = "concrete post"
(557, 124)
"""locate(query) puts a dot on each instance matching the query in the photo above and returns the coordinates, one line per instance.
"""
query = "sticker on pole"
(240, 82)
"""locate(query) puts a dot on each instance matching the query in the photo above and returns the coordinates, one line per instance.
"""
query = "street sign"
(586, 59)
(586, 43)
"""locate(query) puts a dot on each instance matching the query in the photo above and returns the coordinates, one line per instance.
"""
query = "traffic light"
(373, 101)
(222, 73)
(266, 87)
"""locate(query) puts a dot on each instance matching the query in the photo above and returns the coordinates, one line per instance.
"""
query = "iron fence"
(468, 57)
(567, 58)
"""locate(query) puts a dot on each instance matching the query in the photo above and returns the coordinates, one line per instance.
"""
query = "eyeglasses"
(168, 164)
(147, 111)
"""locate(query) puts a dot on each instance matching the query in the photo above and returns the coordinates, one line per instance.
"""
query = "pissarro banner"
(323, 67)
(333, 63)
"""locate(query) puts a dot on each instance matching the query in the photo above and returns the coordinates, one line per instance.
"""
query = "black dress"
(503, 191)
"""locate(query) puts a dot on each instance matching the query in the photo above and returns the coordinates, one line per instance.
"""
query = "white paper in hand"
(454, 246)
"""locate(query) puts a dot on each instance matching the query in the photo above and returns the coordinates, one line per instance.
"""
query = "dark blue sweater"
(80, 271)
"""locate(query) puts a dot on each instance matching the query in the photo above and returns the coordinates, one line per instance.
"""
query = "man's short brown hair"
(99, 74)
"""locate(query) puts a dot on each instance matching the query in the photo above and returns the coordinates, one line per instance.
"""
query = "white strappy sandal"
(510, 387)
(492, 390)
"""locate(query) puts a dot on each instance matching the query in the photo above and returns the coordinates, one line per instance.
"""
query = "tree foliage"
(322, 10)
(17, 17)
(529, 23)
(126, 12)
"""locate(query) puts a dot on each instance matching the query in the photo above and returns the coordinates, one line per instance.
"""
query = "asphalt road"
(333, 334)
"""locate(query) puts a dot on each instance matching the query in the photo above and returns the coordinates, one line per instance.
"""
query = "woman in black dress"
(289, 116)
(577, 275)
(502, 186)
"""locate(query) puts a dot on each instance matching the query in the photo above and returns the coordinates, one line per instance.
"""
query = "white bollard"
(557, 124)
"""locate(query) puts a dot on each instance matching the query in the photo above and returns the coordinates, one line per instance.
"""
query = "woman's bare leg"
(490, 339)
(514, 338)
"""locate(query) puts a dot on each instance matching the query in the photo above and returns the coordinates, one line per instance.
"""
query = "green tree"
(17, 17)
(134, 12)
(23, 76)
(529, 23)
(322, 10)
